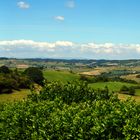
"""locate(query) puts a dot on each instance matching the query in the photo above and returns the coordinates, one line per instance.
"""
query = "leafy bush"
(4, 69)
(52, 116)
(70, 92)
(7, 84)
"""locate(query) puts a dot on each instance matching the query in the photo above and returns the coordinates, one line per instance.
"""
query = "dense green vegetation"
(70, 111)
(15, 80)
(35, 75)
(12, 80)
(127, 90)
(105, 78)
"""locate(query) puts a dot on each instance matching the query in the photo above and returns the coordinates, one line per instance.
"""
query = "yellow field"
(124, 97)
(131, 77)
(15, 96)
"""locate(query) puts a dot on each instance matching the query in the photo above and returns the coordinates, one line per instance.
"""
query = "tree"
(4, 69)
(35, 75)
(124, 88)
(127, 90)
(131, 91)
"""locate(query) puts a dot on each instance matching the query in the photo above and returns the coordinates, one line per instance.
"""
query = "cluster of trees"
(128, 90)
(103, 78)
(35, 75)
(117, 73)
(70, 111)
(138, 76)
(14, 80)
(94, 79)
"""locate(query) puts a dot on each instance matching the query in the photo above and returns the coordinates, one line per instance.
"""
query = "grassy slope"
(63, 76)
(16, 95)
(113, 86)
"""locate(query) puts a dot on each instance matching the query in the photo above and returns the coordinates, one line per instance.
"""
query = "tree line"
(15, 80)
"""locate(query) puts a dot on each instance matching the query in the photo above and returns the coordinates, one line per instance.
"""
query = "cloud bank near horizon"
(68, 49)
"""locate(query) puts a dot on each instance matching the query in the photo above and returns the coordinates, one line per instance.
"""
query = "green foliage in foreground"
(59, 113)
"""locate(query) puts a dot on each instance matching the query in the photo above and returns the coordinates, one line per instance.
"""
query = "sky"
(80, 29)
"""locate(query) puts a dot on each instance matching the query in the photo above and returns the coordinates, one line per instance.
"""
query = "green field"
(137, 92)
(63, 76)
(113, 86)
(15, 96)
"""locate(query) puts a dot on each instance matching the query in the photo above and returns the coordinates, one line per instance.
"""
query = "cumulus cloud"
(23, 5)
(59, 18)
(68, 49)
(70, 4)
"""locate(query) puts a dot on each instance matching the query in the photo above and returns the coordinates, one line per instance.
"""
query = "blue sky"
(80, 22)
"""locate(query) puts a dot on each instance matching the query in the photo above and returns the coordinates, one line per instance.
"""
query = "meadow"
(113, 86)
(63, 76)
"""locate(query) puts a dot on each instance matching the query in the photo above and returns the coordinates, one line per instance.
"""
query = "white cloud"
(70, 4)
(68, 49)
(23, 5)
(59, 18)
(30, 44)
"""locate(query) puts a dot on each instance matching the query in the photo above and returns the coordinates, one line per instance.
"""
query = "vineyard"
(70, 111)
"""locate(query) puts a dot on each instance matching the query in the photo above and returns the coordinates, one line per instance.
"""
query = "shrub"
(52, 118)
(71, 92)
(131, 91)
(124, 88)
(128, 90)
(4, 69)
